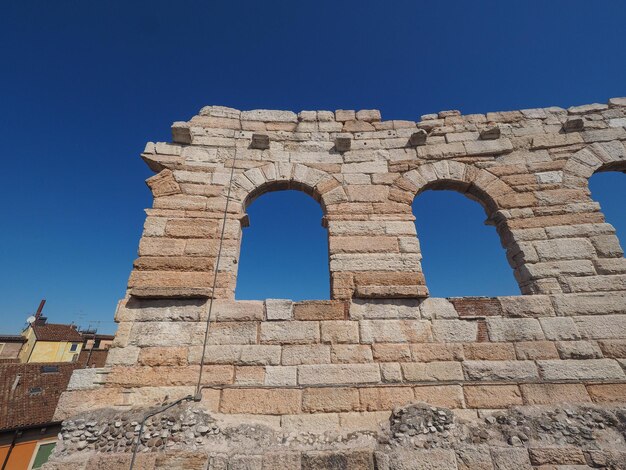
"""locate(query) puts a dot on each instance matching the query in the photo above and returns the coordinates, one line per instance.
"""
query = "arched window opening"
(284, 251)
(608, 188)
(462, 256)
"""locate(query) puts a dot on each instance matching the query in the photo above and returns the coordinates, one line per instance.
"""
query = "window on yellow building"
(73, 347)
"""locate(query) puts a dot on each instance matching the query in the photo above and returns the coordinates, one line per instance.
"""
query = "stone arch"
(597, 157)
(495, 196)
(280, 176)
(478, 184)
(257, 181)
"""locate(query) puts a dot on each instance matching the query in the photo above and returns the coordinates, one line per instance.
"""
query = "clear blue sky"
(84, 85)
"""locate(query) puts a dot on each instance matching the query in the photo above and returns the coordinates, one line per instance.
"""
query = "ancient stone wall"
(343, 365)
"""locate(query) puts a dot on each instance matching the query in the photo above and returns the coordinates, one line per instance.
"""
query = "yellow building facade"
(48, 342)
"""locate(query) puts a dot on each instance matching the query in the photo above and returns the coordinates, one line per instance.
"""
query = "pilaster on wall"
(528, 169)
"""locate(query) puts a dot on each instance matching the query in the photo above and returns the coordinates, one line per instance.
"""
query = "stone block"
(454, 331)
(384, 309)
(241, 310)
(261, 401)
(391, 372)
(319, 310)
(332, 460)
(510, 458)
(607, 393)
(351, 353)
(385, 398)
(162, 334)
(290, 332)
(448, 396)
(590, 369)
(391, 352)
(602, 327)
(488, 147)
(413, 459)
(280, 375)
(142, 376)
(429, 352)
(432, 371)
(228, 333)
(564, 249)
(157, 246)
(556, 456)
(489, 351)
(610, 348)
(554, 394)
(191, 228)
(500, 370)
(163, 356)
(278, 309)
(579, 350)
(437, 308)
(295, 355)
(363, 244)
(329, 400)
(268, 115)
(559, 328)
(533, 350)
(345, 115)
(526, 306)
(492, 396)
(126, 356)
(329, 374)
(394, 331)
(368, 115)
(590, 304)
(249, 375)
(514, 329)
(473, 458)
(243, 355)
(282, 460)
(83, 379)
(339, 331)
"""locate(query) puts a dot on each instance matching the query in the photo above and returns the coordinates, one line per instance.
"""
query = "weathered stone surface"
(514, 329)
(328, 400)
(550, 394)
(580, 369)
(246, 355)
(290, 332)
(559, 328)
(338, 374)
(384, 309)
(432, 371)
(294, 355)
(500, 370)
(319, 310)
(492, 396)
(454, 331)
(400, 331)
(278, 309)
(510, 459)
(339, 331)
(438, 459)
(262, 401)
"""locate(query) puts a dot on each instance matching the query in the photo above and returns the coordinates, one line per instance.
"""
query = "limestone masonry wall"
(344, 364)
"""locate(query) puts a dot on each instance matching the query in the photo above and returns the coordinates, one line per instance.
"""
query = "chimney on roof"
(40, 319)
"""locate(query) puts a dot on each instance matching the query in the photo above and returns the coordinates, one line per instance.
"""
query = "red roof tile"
(29, 397)
(56, 332)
